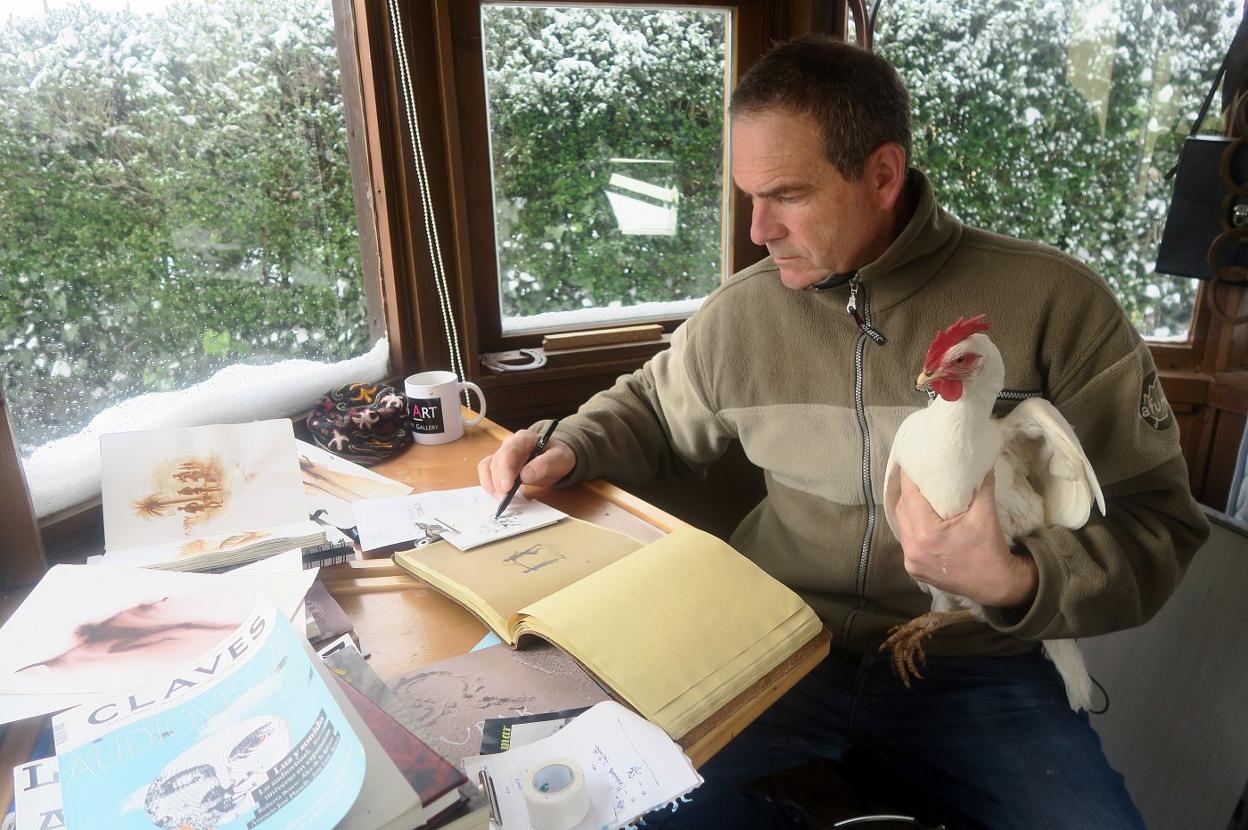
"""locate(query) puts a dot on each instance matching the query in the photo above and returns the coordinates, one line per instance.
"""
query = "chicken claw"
(906, 640)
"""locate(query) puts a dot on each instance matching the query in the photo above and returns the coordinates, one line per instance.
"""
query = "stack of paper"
(677, 629)
(201, 498)
(220, 552)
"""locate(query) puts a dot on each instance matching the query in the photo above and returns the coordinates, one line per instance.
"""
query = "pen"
(534, 453)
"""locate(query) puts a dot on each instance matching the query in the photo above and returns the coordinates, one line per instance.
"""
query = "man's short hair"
(856, 98)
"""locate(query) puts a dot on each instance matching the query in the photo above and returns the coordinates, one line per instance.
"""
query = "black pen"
(534, 453)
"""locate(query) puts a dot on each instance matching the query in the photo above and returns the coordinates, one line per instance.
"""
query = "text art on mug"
(427, 415)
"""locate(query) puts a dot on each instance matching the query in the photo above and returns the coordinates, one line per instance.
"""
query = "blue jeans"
(979, 742)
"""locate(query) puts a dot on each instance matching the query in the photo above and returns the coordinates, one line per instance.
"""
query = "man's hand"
(967, 554)
(498, 471)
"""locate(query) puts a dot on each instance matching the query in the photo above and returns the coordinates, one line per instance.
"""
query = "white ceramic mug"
(434, 399)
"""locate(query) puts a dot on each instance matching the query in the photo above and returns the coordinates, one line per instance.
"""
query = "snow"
(66, 472)
(628, 315)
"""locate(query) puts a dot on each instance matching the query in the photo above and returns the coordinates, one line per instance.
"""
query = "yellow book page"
(667, 618)
(498, 579)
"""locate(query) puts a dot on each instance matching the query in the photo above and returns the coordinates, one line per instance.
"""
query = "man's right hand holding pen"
(497, 472)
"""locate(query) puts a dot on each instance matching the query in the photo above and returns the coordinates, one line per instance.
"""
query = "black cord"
(1104, 694)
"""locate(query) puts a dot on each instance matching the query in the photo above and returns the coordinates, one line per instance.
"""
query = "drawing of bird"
(1042, 477)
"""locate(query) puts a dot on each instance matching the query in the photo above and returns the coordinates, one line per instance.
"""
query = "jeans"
(979, 742)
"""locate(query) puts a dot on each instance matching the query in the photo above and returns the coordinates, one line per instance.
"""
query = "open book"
(676, 628)
(200, 498)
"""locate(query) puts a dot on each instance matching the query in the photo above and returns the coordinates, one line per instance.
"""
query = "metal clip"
(487, 785)
(1239, 216)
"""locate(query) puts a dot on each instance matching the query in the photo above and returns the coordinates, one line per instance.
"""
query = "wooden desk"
(406, 624)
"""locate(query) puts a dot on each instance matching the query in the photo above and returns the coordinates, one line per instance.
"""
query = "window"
(177, 202)
(607, 145)
(1057, 121)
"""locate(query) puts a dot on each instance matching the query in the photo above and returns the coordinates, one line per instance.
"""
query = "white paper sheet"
(334, 484)
(475, 525)
(384, 522)
(170, 485)
(631, 767)
(89, 630)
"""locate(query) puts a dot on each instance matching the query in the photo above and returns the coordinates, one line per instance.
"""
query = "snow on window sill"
(66, 472)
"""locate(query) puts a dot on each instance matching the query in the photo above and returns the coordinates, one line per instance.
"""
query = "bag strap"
(1239, 47)
(1204, 109)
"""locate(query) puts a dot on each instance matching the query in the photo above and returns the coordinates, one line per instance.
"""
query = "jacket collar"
(919, 251)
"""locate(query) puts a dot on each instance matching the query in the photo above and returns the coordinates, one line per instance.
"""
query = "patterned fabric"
(362, 422)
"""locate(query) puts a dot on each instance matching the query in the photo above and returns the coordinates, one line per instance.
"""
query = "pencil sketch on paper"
(431, 531)
(541, 558)
(478, 525)
(194, 487)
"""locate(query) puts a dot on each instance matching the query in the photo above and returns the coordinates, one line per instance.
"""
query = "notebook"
(677, 628)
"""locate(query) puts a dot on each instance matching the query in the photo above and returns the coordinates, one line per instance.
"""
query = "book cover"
(501, 734)
(452, 698)
(246, 736)
(430, 775)
(326, 619)
(37, 801)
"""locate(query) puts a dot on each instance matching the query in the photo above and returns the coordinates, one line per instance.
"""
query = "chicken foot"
(906, 640)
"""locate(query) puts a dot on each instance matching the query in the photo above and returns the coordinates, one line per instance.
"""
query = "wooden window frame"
(445, 37)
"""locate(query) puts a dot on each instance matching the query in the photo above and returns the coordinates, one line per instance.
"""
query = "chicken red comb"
(952, 336)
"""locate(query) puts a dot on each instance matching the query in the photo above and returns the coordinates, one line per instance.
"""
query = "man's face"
(813, 221)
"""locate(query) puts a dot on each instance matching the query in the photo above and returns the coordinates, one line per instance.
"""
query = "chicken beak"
(925, 379)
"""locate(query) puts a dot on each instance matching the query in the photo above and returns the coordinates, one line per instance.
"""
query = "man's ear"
(886, 171)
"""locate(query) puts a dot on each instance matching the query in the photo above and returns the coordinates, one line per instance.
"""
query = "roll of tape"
(555, 795)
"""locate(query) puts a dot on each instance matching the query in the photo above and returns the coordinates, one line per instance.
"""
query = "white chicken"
(947, 449)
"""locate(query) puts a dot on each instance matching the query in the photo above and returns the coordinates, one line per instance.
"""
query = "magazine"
(87, 631)
(246, 736)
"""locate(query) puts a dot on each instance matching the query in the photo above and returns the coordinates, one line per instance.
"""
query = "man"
(808, 358)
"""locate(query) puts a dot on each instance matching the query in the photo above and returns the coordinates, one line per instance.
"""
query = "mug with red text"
(434, 400)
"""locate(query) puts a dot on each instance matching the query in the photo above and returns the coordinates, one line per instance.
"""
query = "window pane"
(176, 199)
(1056, 121)
(607, 143)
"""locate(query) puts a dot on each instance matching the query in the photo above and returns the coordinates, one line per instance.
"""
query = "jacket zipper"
(1018, 395)
(863, 320)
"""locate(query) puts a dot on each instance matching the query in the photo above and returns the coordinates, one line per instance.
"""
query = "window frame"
(456, 37)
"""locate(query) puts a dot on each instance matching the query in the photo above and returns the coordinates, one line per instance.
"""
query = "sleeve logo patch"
(1153, 406)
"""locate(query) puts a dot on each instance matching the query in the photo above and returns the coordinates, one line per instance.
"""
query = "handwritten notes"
(631, 767)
